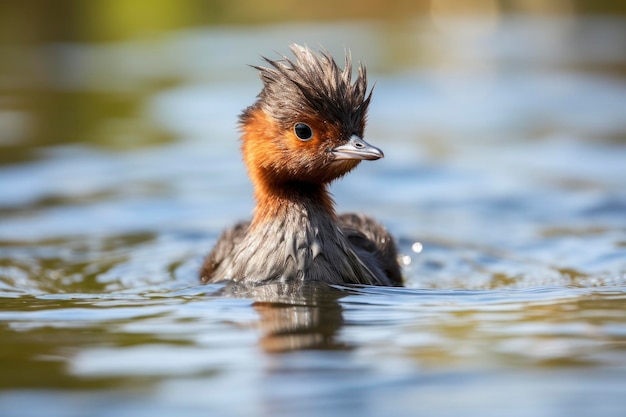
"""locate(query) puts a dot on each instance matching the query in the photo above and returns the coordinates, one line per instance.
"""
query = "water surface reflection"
(294, 317)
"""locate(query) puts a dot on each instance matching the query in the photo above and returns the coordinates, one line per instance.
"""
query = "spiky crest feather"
(313, 83)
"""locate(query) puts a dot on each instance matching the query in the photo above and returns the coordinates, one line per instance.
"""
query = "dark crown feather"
(314, 83)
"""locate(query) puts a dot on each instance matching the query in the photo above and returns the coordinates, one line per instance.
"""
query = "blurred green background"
(50, 96)
(24, 22)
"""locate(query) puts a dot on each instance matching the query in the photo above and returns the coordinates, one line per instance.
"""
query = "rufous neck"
(276, 201)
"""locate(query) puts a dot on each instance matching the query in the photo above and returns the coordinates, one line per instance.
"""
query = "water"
(504, 182)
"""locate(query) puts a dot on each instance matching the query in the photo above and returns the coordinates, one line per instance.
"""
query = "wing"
(373, 242)
(224, 248)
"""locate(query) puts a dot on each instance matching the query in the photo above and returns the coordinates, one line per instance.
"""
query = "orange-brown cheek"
(258, 146)
(305, 152)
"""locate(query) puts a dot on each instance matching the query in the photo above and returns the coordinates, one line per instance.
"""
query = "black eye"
(303, 131)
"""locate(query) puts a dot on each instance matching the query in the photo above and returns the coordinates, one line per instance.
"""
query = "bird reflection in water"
(295, 316)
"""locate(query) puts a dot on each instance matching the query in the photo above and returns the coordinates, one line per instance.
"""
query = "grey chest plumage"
(298, 246)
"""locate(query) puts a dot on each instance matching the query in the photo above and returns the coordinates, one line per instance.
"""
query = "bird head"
(308, 121)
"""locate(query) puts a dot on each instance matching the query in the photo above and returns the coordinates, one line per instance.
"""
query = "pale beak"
(356, 148)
